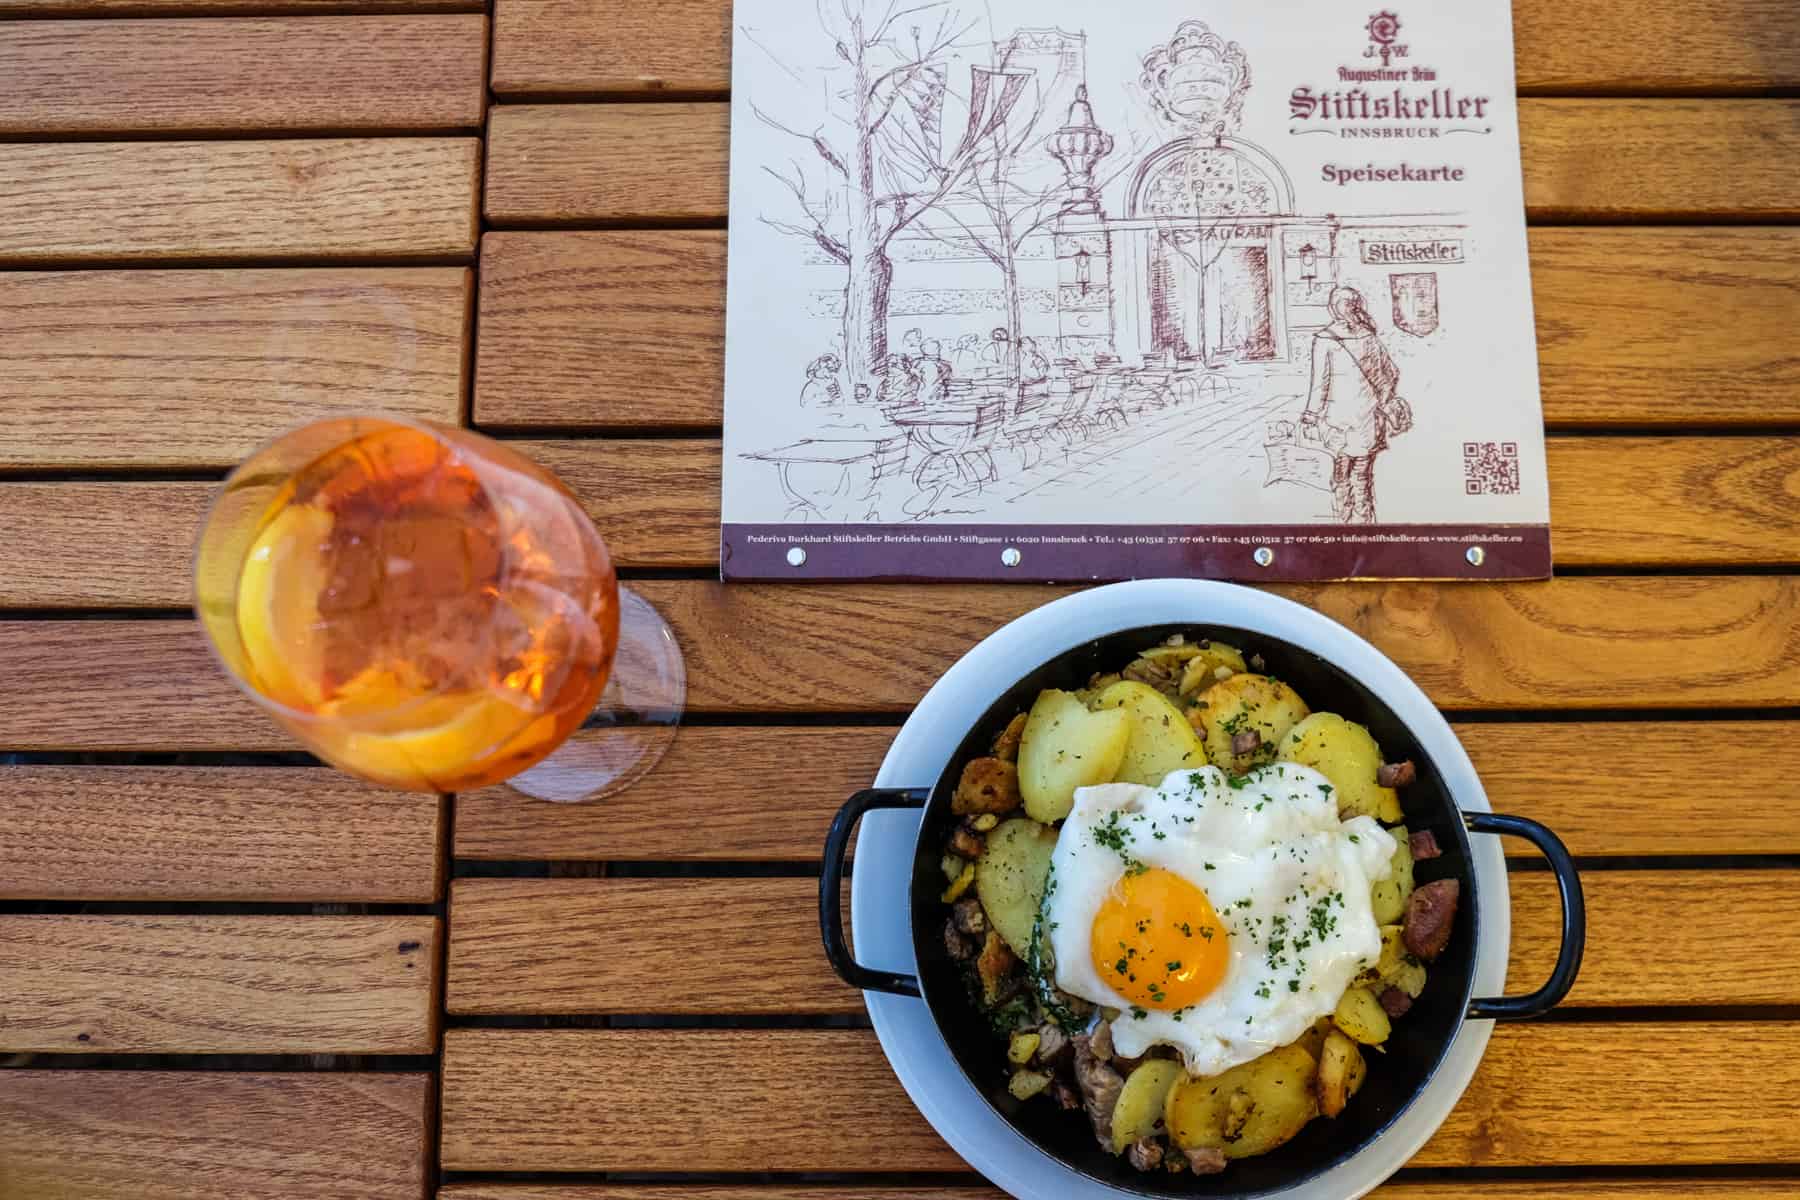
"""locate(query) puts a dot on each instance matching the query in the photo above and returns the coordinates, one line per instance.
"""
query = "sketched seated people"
(965, 356)
(934, 375)
(996, 356)
(1353, 406)
(912, 343)
(897, 393)
(821, 390)
(1034, 368)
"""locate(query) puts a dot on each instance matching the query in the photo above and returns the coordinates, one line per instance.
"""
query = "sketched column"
(1084, 293)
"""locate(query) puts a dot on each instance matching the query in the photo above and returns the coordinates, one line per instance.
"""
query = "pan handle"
(1574, 921)
(831, 880)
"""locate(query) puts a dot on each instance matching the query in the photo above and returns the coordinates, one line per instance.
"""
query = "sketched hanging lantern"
(1079, 146)
(1083, 275)
(1309, 264)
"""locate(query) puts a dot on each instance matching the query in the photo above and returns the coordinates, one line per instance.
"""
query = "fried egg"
(1220, 915)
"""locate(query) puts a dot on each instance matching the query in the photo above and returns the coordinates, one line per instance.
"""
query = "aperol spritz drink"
(419, 605)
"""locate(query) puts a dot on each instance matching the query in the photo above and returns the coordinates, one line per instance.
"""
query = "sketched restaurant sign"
(1412, 252)
(1356, 111)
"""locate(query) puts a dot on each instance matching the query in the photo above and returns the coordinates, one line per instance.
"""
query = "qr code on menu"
(1491, 468)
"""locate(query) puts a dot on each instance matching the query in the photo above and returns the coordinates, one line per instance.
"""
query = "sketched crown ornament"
(1197, 82)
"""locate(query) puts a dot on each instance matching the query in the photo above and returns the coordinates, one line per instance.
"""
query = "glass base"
(631, 728)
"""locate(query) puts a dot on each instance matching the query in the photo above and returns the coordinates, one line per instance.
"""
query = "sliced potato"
(959, 885)
(1346, 754)
(1026, 1084)
(1161, 740)
(1246, 704)
(1388, 897)
(1022, 1046)
(1138, 1113)
(1064, 746)
(1341, 1071)
(1006, 746)
(1398, 968)
(1009, 878)
(1203, 669)
(1248, 1110)
(1360, 1015)
(1313, 1040)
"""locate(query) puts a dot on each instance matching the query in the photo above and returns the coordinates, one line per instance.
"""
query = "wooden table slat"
(148, 368)
(1553, 1094)
(214, 833)
(1574, 643)
(1648, 1189)
(1606, 788)
(213, 1135)
(585, 945)
(562, 162)
(376, 198)
(551, 46)
(222, 8)
(1637, 327)
(218, 984)
(1604, 159)
(150, 76)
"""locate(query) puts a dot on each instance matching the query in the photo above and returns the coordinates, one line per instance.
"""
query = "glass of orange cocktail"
(426, 608)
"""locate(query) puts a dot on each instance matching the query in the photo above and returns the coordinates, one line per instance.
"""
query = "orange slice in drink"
(278, 606)
(383, 727)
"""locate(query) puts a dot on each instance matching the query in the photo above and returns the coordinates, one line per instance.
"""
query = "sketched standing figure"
(821, 389)
(1354, 405)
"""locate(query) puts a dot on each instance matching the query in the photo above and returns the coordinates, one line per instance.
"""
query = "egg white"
(1277, 865)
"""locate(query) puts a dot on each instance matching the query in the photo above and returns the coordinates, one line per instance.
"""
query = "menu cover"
(1051, 290)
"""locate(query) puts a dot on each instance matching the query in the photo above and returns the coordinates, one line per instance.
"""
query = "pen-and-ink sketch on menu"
(1015, 273)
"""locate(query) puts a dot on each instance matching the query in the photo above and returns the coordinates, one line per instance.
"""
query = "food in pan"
(1185, 905)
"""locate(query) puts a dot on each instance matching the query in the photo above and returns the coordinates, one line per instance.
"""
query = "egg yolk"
(1157, 941)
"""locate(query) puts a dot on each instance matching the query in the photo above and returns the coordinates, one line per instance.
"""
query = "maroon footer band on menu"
(1075, 553)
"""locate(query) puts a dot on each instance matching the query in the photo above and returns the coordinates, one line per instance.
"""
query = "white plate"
(884, 859)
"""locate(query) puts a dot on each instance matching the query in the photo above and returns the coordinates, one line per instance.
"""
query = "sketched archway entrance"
(1212, 267)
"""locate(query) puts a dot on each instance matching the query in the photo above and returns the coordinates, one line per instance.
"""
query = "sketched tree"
(999, 206)
(885, 99)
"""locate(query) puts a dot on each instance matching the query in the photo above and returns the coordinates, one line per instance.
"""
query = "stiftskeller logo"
(1385, 99)
(1384, 28)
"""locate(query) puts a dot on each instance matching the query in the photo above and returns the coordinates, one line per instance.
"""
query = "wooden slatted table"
(226, 972)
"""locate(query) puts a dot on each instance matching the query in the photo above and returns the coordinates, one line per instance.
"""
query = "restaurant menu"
(1198, 288)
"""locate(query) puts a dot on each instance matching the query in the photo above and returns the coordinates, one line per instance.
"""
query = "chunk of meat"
(988, 785)
(1430, 914)
(995, 967)
(959, 945)
(1206, 1160)
(967, 843)
(1064, 1095)
(1395, 1002)
(1146, 1154)
(1006, 746)
(1052, 1042)
(1397, 775)
(1165, 677)
(1101, 1040)
(969, 916)
(1247, 741)
(1100, 1086)
(1423, 845)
